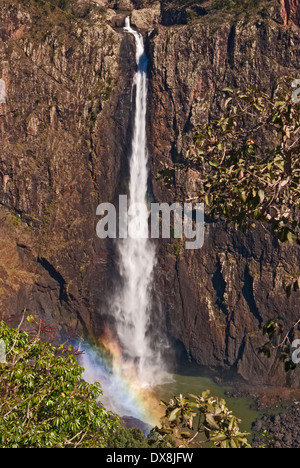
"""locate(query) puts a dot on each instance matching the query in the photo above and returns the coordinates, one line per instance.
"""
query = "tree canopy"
(249, 160)
(44, 401)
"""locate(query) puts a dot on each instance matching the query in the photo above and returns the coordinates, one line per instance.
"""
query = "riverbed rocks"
(281, 430)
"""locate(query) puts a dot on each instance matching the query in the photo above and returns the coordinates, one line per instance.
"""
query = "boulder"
(125, 5)
(146, 18)
(117, 21)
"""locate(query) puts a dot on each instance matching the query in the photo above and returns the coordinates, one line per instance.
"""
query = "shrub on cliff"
(128, 438)
(44, 402)
(134, 438)
(237, 5)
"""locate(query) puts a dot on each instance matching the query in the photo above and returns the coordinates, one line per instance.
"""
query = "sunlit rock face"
(65, 130)
(290, 12)
(65, 137)
(217, 299)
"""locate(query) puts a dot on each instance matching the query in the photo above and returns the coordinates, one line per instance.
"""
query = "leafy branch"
(249, 161)
(201, 419)
(279, 341)
(44, 403)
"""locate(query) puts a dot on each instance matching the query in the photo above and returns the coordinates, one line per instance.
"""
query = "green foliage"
(177, 247)
(134, 438)
(236, 5)
(250, 167)
(62, 4)
(211, 418)
(249, 161)
(278, 342)
(167, 174)
(191, 15)
(44, 402)
(55, 10)
(128, 438)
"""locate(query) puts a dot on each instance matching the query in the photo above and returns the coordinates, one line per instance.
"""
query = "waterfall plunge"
(137, 255)
(138, 365)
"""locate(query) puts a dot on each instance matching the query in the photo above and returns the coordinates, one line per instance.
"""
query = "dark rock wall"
(217, 299)
(65, 137)
(290, 12)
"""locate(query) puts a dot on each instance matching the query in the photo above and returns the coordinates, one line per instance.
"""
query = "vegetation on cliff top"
(79, 9)
(204, 6)
(249, 165)
(190, 3)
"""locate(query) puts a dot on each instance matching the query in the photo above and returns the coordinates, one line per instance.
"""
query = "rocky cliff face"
(65, 134)
(290, 12)
(217, 298)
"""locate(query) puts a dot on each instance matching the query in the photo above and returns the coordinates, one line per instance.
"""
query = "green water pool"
(195, 384)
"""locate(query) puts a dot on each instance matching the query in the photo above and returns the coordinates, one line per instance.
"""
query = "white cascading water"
(137, 364)
(137, 255)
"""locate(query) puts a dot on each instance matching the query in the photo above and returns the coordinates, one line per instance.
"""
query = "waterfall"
(137, 253)
(129, 367)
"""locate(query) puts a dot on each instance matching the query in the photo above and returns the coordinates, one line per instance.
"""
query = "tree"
(44, 402)
(134, 438)
(201, 419)
(249, 161)
(249, 164)
(128, 438)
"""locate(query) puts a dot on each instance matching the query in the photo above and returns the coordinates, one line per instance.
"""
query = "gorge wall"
(64, 137)
(65, 134)
(218, 298)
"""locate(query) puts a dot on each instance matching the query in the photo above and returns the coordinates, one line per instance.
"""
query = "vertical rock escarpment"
(216, 300)
(64, 136)
(290, 11)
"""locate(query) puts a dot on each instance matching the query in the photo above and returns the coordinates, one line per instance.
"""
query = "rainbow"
(123, 392)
